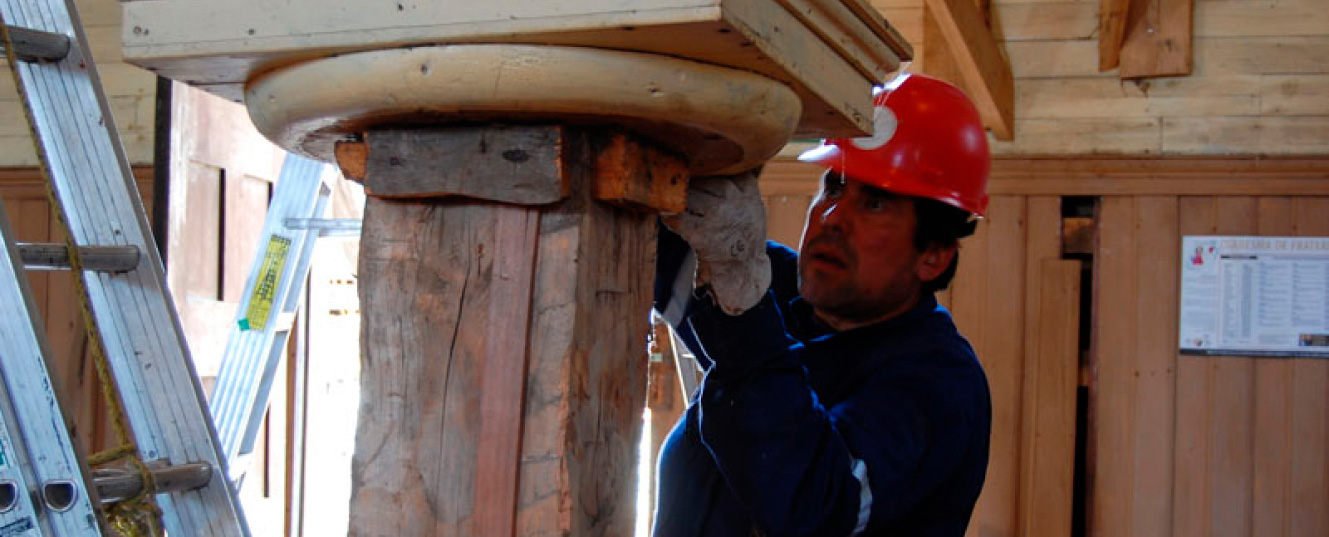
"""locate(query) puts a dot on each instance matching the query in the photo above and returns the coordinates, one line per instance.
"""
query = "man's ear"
(934, 261)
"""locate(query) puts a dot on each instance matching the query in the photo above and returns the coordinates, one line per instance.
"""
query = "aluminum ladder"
(137, 327)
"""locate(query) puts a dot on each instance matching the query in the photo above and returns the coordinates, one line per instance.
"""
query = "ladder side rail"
(292, 292)
(34, 422)
(144, 343)
(240, 381)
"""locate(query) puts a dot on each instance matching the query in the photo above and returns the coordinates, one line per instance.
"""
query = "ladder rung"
(119, 484)
(49, 256)
(327, 227)
(37, 46)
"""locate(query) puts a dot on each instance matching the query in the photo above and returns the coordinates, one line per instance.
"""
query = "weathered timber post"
(499, 393)
(515, 155)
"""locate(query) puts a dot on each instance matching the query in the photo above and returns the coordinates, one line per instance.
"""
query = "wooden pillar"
(504, 368)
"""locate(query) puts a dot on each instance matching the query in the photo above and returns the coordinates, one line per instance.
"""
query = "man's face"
(858, 263)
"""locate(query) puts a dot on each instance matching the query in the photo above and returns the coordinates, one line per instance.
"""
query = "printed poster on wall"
(1255, 296)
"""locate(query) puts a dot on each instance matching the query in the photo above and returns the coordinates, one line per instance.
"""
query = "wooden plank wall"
(1188, 445)
(130, 90)
(1177, 445)
(1260, 83)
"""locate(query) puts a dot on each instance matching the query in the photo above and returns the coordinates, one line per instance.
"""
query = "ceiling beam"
(985, 73)
(1111, 32)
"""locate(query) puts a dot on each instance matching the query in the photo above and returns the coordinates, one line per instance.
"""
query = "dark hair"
(939, 224)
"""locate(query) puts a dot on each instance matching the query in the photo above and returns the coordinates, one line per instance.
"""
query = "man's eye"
(873, 203)
(832, 185)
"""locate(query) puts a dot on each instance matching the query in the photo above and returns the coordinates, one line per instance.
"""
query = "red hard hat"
(927, 141)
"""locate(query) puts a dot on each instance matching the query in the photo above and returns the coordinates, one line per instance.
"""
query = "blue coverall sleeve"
(801, 468)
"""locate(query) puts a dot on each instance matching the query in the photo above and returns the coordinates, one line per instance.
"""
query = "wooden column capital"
(516, 164)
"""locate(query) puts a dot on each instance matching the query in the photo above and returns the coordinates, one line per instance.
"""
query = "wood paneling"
(1189, 445)
(1051, 371)
(1309, 411)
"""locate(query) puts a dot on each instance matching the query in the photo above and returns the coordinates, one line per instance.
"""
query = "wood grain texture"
(520, 165)
(1000, 255)
(1042, 242)
(505, 396)
(968, 297)
(1232, 404)
(1051, 372)
(1273, 434)
(587, 376)
(1192, 486)
(1309, 414)
(1112, 20)
(1155, 314)
(1158, 40)
(1112, 406)
(635, 174)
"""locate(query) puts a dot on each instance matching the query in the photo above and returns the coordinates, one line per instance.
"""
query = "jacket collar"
(804, 326)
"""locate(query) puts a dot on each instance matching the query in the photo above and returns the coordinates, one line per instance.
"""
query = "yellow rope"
(139, 515)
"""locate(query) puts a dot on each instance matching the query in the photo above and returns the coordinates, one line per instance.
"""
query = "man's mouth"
(829, 257)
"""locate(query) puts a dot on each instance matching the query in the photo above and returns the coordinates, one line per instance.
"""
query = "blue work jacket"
(801, 430)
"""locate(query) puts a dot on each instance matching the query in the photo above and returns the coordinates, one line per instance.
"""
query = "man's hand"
(725, 224)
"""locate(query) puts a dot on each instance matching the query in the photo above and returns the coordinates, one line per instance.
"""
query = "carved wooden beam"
(1111, 32)
(984, 72)
(1158, 39)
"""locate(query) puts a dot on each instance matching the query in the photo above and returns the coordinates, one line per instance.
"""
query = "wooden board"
(1260, 18)
(1083, 135)
(1042, 59)
(1232, 404)
(1272, 135)
(1112, 406)
(987, 299)
(1273, 435)
(1283, 55)
(518, 165)
(1154, 310)
(1191, 486)
(1158, 40)
(227, 46)
(1113, 19)
(1047, 21)
(1111, 98)
(1309, 411)
(1294, 95)
(1051, 375)
(1051, 370)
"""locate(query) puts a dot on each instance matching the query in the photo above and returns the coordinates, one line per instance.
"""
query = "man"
(839, 398)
